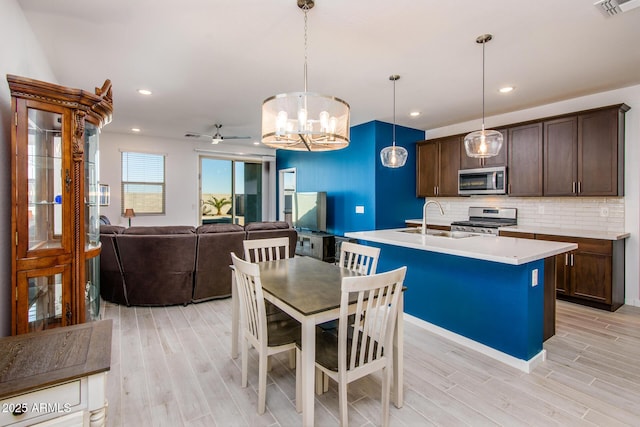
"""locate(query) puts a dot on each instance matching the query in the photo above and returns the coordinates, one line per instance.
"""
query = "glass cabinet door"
(91, 196)
(43, 299)
(47, 179)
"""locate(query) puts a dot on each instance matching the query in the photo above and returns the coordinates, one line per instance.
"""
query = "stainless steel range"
(486, 220)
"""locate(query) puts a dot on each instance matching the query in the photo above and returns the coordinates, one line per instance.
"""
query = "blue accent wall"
(354, 176)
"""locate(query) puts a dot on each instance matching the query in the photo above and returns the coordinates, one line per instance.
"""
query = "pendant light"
(483, 143)
(394, 156)
(305, 121)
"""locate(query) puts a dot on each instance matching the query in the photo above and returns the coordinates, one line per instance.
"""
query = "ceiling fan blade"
(197, 135)
(236, 137)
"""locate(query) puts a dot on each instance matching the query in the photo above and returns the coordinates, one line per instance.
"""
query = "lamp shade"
(305, 121)
(483, 143)
(129, 213)
(394, 156)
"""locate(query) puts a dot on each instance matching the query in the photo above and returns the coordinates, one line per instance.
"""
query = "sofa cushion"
(160, 230)
(266, 225)
(111, 229)
(218, 228)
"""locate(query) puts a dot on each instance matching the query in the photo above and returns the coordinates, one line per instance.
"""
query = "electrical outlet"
(540, 209)
(604, 211)
(534, 278)
(359, 209)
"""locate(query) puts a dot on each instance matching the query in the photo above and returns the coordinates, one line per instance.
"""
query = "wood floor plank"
(172, 366)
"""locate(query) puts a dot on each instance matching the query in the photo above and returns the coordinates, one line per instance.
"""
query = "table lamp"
(129, 213)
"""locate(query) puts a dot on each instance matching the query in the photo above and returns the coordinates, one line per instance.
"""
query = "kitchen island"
(485, 292)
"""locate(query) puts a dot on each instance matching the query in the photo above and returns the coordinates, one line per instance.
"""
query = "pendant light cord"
(483, 43)
(394, 112)
(305, 10)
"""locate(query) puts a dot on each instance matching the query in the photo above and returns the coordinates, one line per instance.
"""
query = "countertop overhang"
(506, 250)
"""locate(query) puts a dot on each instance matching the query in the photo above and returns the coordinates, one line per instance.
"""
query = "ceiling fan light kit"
(483, 143)
(394, 156)
(305, 121)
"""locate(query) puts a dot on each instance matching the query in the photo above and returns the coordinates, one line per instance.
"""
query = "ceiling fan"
(216, 137)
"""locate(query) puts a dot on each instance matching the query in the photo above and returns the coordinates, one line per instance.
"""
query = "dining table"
(309, 290)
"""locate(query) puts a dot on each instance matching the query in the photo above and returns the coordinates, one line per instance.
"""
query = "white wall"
(22, 56)
(181, 166)
(589, 209)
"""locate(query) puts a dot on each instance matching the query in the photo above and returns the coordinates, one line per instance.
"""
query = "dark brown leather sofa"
(152, 266)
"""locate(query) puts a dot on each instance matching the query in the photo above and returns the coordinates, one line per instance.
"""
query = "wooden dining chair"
(268, 336)
(364, 343)
(258, 250)
(360, 258)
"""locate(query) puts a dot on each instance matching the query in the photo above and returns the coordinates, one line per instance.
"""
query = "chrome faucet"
(424, 213)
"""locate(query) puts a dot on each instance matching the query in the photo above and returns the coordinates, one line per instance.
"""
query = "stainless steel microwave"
(482, 181)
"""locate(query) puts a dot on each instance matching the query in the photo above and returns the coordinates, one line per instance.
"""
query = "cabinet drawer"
(516, 234)
(595, 246)
(42, 404)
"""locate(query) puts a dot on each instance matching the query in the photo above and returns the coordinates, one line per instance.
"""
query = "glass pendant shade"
(483, 143)
(305, 121)
(394, 156)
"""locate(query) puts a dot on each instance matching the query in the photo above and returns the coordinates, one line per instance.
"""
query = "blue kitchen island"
(485, 292)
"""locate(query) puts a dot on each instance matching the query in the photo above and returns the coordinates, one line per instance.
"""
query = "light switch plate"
(359, 209)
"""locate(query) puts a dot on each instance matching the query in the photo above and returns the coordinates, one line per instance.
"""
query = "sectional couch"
(153, 266)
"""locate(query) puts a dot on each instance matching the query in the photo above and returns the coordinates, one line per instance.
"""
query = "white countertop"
(506, 250)
(537, 229)
(568, 232)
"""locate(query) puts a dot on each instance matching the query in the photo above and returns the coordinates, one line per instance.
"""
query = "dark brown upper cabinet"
(561, 157)
(525, 160)
(438, 162)
(584, 154)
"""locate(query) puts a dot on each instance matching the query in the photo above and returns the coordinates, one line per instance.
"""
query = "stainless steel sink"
(440, 233)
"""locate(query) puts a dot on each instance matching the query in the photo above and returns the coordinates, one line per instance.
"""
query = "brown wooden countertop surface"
(40, 359)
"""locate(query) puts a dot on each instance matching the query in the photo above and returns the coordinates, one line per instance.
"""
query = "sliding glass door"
(230, 191)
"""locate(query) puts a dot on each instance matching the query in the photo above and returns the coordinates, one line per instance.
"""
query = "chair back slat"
(360, 258)
(258, 250)
(252, 307)
(373, 324)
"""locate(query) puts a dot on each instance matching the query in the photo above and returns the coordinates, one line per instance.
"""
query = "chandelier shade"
(394, 156)
(483, 143)
(305, 121)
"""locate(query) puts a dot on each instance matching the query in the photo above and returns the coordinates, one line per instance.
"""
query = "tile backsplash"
(582, 213)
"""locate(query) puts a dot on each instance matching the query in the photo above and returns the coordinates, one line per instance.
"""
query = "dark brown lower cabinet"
(591, 275)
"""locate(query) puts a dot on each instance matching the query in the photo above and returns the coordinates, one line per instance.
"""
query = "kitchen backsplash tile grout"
(582, 213)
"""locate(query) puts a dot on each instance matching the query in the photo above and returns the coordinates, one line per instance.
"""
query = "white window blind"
(143, 183)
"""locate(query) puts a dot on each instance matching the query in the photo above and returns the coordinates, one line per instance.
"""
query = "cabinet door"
(525, 160)
(43, 299)
(598, 153)
(449, 166)
(561, 157)
(467, 162)
(562, 274)
(591, 276)
(43, 195)
(427, 159)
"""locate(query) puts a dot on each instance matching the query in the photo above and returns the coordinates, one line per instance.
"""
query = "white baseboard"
(520, 364)
(632, 302)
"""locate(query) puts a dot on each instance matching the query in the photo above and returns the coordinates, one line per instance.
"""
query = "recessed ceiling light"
(506, 89)
(144, 91)
(414, 113)
(135, 129)
(256, 143)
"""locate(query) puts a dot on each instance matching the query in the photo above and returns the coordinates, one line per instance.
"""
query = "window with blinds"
(143, 183)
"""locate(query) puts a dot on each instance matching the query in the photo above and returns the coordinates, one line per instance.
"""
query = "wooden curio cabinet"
(54, 203)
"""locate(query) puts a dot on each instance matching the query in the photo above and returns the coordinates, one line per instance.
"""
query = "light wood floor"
(171, 367)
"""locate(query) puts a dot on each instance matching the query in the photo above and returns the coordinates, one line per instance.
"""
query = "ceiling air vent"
(614, 7)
